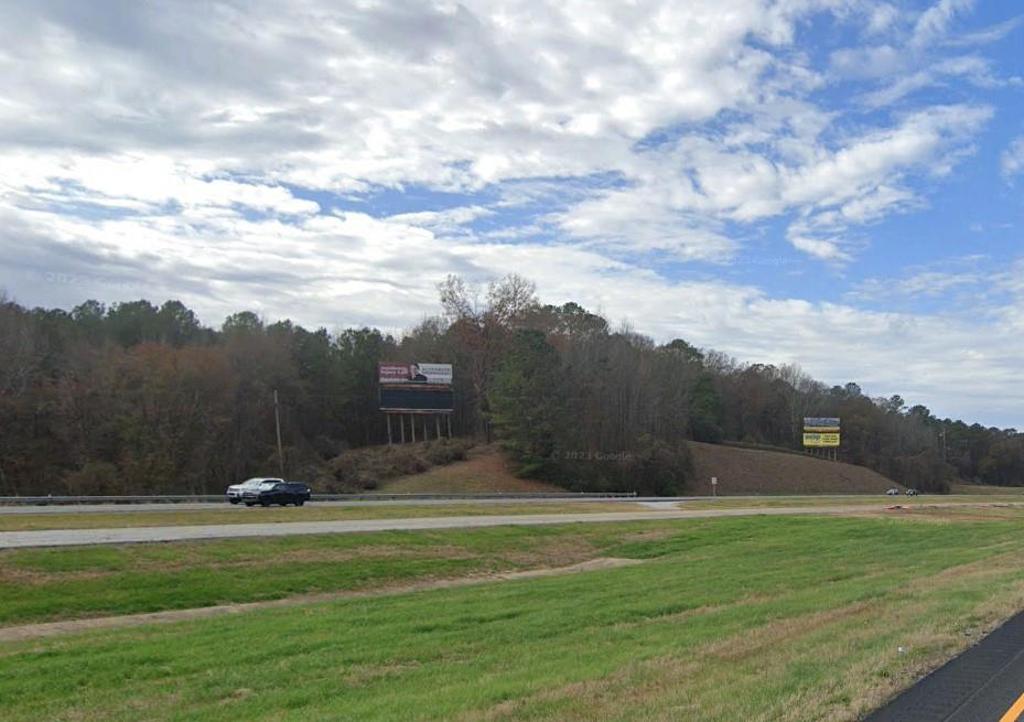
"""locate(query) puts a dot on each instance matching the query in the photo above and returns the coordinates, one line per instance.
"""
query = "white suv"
(236, 491)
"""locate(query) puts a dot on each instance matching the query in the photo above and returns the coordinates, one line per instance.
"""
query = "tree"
(511, 299)
(687, 352)
(177, 324)
(528, 403)
(133, 322)
(243, 322)
(706, 410)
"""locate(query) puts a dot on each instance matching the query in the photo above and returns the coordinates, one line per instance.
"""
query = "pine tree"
(528, 401)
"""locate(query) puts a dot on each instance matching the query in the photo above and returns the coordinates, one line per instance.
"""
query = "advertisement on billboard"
(821, 423)
(818, 440)
(416, 373)
(416, 388)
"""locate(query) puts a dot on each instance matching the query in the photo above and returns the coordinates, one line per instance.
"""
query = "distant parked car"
(235, 492)
(277, 492)
(893, 492)
(911, 492)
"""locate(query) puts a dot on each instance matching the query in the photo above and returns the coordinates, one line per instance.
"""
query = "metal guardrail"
(199, 498)
(492, 495)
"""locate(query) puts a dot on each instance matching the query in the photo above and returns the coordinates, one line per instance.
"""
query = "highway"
(78, 537)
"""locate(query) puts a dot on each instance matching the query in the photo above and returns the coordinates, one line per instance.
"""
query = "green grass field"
(756, 618)
(258, 515)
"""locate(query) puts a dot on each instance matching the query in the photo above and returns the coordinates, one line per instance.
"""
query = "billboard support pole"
(449, 417)
(388, 416)
(401, 425)
(412, 425)
(437, 425)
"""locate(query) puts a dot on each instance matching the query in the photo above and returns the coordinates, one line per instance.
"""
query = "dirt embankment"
(749, 471)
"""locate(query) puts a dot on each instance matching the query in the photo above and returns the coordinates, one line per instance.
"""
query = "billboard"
(821, 423)
(415, 373)
(416, 388)
(819, 439)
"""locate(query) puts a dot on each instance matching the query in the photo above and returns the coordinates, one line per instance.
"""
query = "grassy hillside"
(739, 471)
(750, 471)
(457, 467)
(484, 470)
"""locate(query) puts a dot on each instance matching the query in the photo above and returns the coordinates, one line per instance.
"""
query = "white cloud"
(856, 182)
(449, 220)
(137, 182)
(934, 22)
(456, 97)
(1012, 159)
(970, 68)
(990, 34)
(925, 283)
(881, 18)
(824, 249)
(877, 61)
(642, 220)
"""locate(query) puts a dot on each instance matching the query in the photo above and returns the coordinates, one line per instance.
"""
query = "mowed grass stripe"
(39, 585)
(754, 618)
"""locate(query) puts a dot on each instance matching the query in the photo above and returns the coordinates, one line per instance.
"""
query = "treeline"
(138, 398)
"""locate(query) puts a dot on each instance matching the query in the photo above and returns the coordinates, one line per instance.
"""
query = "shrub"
(924, 471)
(653, 467)
(96, 477)
(364, 469)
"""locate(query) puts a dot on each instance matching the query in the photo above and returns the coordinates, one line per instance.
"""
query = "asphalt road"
(78, 537)
(984, 684)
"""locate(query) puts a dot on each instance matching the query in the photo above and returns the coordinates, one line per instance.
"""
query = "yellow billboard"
(821, 439)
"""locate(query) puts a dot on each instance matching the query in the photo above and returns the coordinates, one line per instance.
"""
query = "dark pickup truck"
(278, 492)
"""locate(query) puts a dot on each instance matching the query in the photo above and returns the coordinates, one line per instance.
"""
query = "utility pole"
(277, 422)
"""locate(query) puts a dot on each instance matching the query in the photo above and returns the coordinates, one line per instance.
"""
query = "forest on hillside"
(140, 398)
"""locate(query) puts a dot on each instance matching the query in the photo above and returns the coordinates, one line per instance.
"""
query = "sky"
(832, 183)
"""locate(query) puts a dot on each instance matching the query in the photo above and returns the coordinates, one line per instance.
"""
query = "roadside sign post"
(714, 486)
(277, 424)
